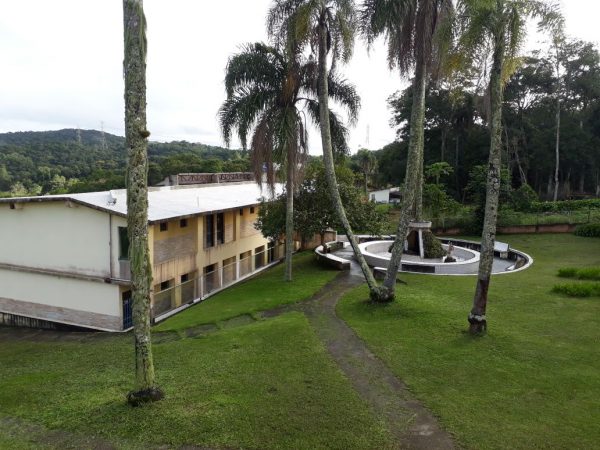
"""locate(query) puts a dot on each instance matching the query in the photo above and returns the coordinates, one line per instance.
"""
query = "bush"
(578, 289)
(566, 205)
(523, 198)
(588, 230)
(588, 273)
(567, 272)
(432, 246)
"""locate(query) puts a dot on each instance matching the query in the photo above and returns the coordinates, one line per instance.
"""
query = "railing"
(207, 283)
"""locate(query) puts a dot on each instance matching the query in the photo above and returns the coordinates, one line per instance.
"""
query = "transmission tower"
(103, 142)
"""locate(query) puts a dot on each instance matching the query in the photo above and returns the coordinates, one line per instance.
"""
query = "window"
(220, 228)
(209, 226)
(252, 210)
(165, 285)
(123, 243)
(164, 226)
(183, 223)
(241, 211)
(185, 278)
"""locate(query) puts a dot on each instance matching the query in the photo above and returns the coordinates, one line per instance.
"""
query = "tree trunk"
(456, 161)
(134, 68)
(477, 317)
(557, 150)
(443, 147)
(420, 181)
(289, 213)
(411, 181)
(323, 91)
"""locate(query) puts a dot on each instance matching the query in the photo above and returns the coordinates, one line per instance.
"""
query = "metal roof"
(167, 202)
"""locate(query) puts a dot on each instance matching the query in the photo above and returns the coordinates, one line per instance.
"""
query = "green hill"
(34, 162)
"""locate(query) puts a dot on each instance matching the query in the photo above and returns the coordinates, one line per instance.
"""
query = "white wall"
(88, 296)
(382, 196)
(52, 235)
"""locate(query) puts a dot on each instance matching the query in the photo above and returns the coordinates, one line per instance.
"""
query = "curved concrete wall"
(469, 265)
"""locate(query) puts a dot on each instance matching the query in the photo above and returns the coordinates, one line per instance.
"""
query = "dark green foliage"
(588, 230)
(566, 205)
(314, 212)
(586, 273)
(523, 197)
(578, 289)
(568, 272)
(432, 246)
(56, 162)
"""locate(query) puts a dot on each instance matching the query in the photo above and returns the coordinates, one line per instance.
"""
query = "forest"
(72, 160)
(456, 129)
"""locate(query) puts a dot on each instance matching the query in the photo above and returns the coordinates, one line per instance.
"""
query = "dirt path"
(413, 426)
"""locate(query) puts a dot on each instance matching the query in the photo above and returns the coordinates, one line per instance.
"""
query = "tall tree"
(417, 32)
(368, 163)
(557, 42)
(267, 89)
(136, 138)
(327, 26)
(498, 27)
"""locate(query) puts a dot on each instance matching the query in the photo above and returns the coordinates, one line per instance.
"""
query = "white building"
(63, 258)
(390, 195)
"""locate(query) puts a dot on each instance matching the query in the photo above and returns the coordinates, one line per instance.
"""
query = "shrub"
(566, 205)
(567, 272)
(588, 230)
(587, 273)
(523, 197)
(432, 246)
(578, 289)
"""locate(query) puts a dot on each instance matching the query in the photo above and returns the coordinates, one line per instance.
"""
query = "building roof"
(168, 202)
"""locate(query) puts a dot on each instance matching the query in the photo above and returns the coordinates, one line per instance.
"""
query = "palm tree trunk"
(557, 150)
(289, 214)
(477, 318)
(411, 181)
(323, 92)
(419, 185)
(137, 198)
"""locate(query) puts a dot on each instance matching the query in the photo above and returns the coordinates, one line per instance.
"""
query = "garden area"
(270, 382)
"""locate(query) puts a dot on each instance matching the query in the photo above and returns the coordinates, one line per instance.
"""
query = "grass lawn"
(532, 382)
(269, 384)
(263, 292)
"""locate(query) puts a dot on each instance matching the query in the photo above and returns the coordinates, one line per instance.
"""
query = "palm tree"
(268, 92)
(136, 135)
(329, 27)
(367, 163)
(418, 32)
(498, 25)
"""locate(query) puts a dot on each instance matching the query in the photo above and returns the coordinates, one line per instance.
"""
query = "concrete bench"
(502, 248)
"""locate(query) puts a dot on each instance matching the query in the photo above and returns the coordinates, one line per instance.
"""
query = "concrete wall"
(66, 300)
(56, 236)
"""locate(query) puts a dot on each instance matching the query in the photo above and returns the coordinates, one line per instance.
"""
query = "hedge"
(578, 289)
(588, 230)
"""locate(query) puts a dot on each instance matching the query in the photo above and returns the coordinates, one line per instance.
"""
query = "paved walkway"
(410, 423)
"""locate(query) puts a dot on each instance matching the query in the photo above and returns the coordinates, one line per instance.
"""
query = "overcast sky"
(62, 66)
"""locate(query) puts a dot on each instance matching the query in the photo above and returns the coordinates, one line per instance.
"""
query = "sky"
(62, 66)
